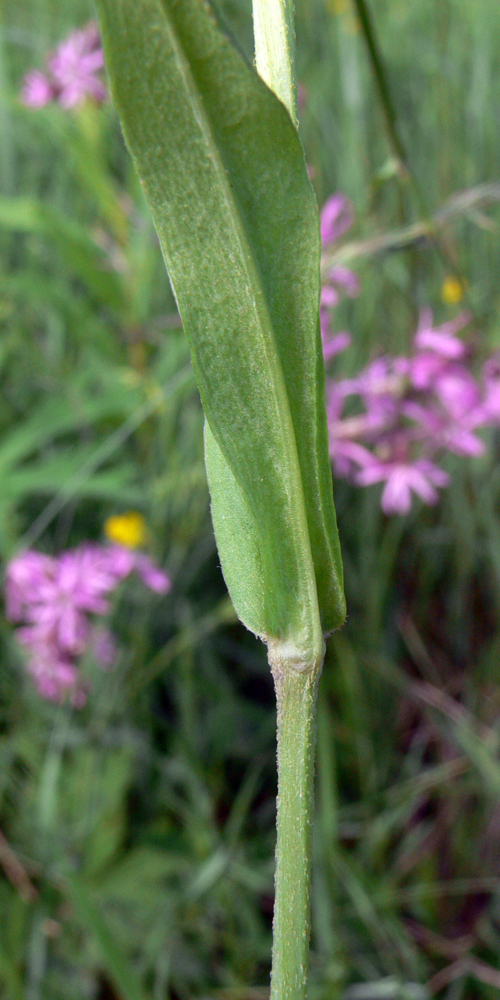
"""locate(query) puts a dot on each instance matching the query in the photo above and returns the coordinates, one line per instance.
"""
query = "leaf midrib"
(253, 273)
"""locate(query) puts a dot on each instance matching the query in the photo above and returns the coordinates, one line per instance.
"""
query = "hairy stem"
(296, 685)
(296, 701)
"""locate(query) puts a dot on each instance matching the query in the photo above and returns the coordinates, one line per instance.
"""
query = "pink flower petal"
(337, 215)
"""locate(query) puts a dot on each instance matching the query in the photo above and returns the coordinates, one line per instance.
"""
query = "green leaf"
(115, 963)
(51, 419)
(61, 472)
(232, 519)
(78, 249)
(224, 174)
(80, 143)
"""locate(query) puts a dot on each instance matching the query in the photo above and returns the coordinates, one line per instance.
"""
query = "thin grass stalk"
(390, 117)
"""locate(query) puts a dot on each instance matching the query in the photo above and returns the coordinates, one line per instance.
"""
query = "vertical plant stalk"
(296, 689)
(381, 83)
(274, 37)
(296, 702)
(224, 173)
(390, 116)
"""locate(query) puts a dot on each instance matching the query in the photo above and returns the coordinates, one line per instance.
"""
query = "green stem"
(296, 688)
(274, 36)
(389, 112)
(381, 80)
(296, 700)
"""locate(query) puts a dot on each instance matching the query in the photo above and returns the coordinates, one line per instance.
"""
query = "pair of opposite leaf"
(224, 174)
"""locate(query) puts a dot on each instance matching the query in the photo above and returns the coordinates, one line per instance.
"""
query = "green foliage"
(242, 251)
(159, 795)
(85, 259)
(123, 978)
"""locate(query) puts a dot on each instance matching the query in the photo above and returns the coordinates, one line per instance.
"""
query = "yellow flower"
(452, 291)
(126, 529)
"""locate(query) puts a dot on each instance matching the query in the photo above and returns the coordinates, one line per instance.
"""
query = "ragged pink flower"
(435, 349)
(401, 480)
(348, 456)
(54, 598)
(25, 576)
(344, 279)
(329, 297)
(393, 420)
(75, 66)
(103, 646)
(337, 216)
(37, 90)
(335, 344)
(74, 72)
(403, 413)
(443, 340)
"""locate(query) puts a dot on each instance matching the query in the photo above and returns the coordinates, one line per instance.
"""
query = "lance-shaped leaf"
(225, 177)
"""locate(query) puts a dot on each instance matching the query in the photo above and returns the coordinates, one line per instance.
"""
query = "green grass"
(137, 834)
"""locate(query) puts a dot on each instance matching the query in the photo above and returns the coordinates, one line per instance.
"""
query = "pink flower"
(345, 279)
(347, 455)
(425, 368)
(37, 90)
(405, 411)
(442, 340)
(151, 576)
(329, 297)
(26, 573)
(336, 395)
(401, 479)
(334, 344)
(379, 380)
(459, 394)
(54, 598)
(54, 677)
(461, 440)
(103, 647)
(436, 348)
(73, 72)
(337, 216)
(75, 65)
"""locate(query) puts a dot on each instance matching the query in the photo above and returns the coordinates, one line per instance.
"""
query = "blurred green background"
(137, 833)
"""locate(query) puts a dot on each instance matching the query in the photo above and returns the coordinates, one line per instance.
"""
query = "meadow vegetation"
(137, 826)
